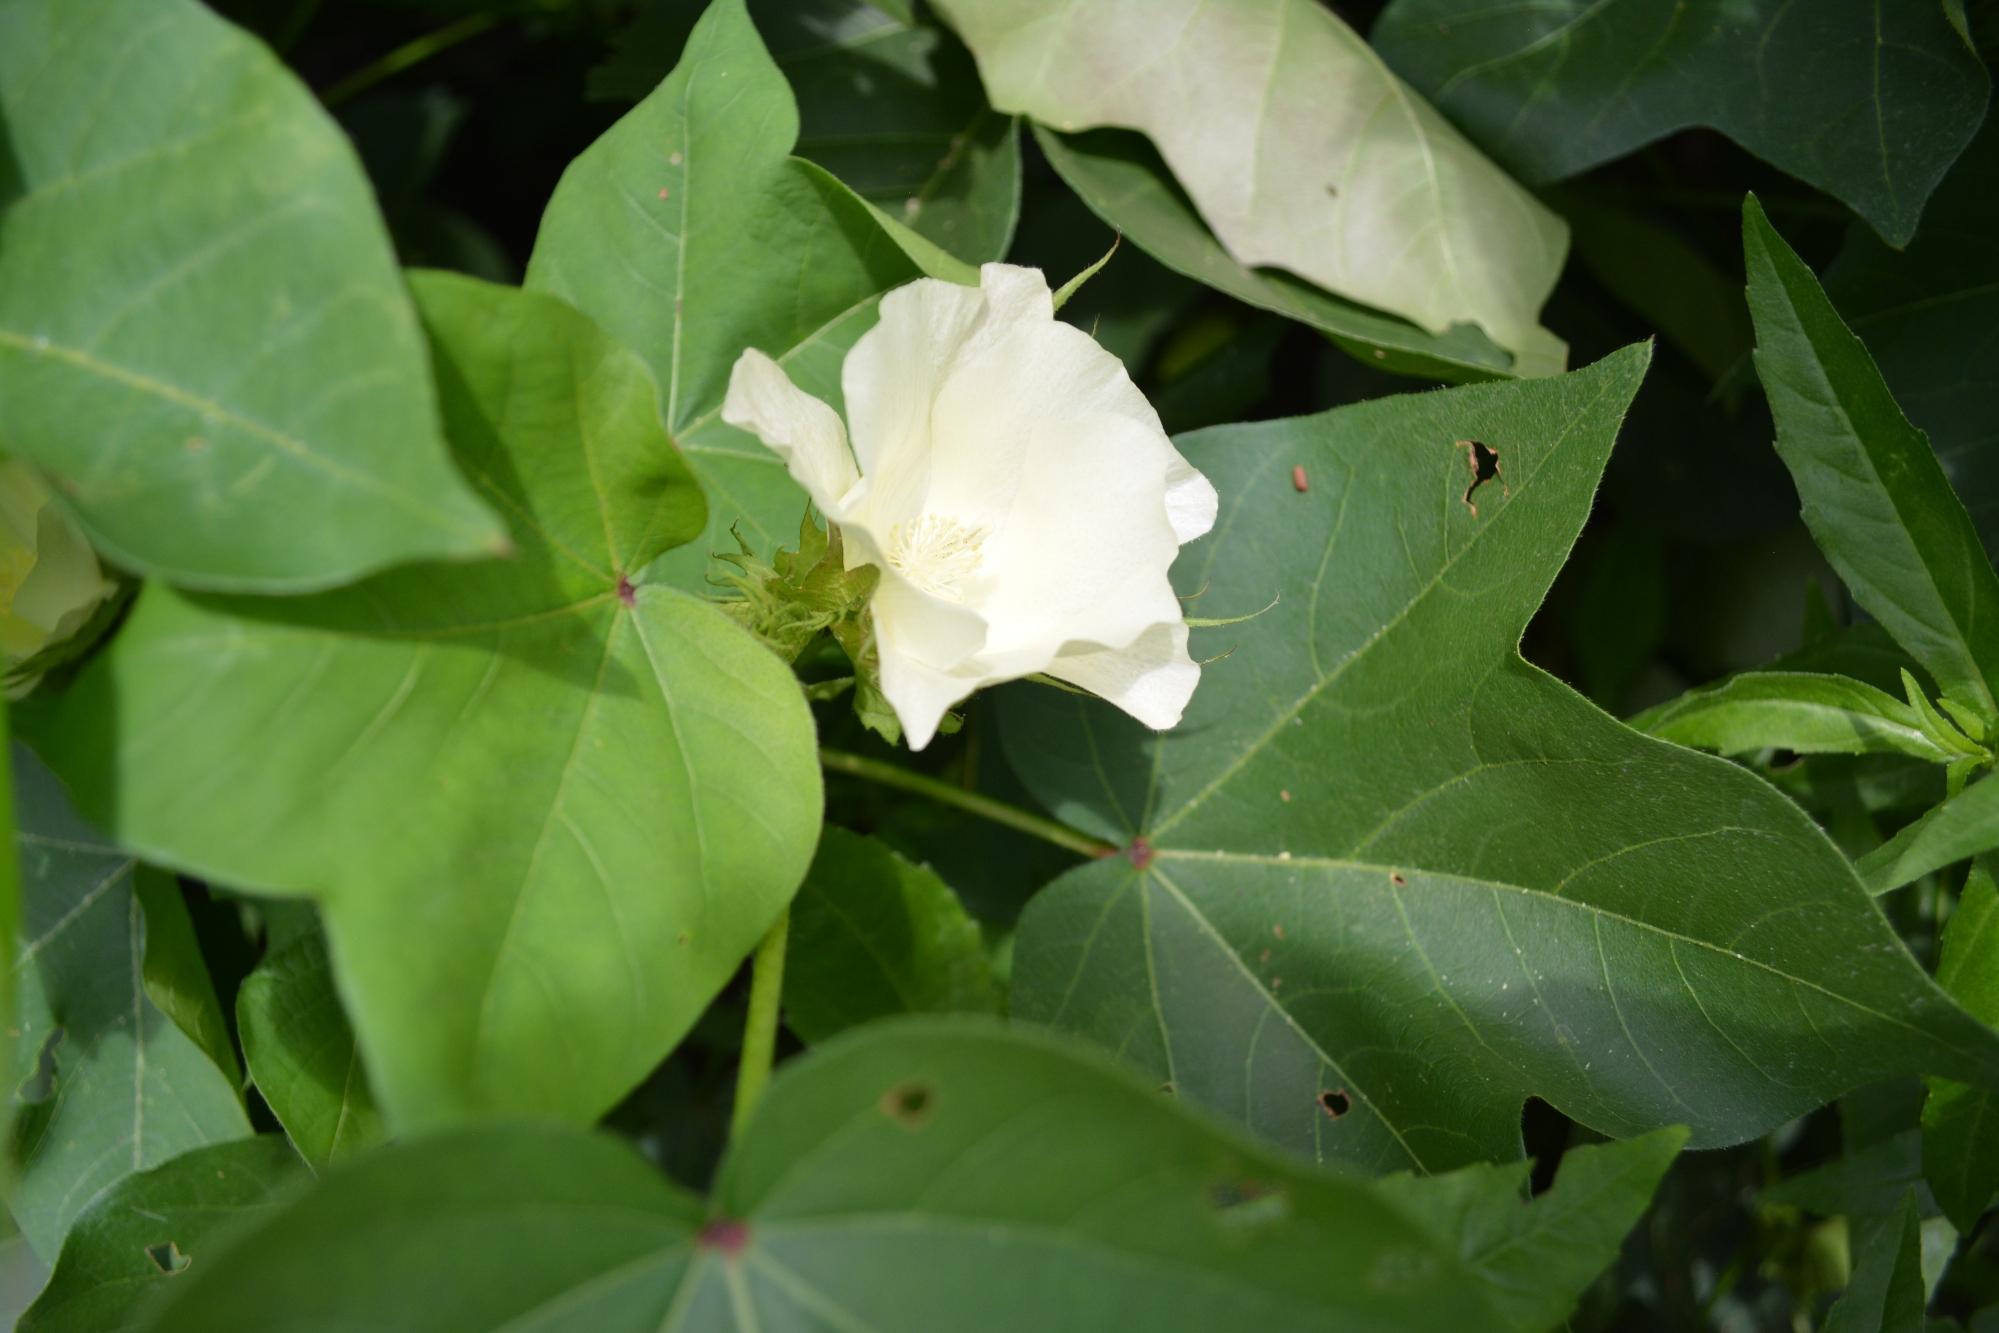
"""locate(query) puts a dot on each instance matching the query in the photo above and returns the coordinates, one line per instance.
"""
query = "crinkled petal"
(804, 432)
(1152, 679)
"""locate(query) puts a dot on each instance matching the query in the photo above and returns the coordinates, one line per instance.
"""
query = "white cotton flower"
(1013, 486)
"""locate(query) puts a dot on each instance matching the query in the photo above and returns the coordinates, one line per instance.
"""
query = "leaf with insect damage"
(1384, 855)
(921, 1174)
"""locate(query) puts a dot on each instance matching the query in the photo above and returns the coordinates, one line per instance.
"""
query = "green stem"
(760, 1027)
(985, 807)
(409, 54)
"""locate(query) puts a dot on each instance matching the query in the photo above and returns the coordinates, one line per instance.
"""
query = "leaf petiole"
(985, 807)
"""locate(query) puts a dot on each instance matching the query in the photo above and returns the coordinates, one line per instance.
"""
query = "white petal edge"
(1152, 679)
(806, 433)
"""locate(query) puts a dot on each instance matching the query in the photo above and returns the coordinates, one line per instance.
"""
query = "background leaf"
(890, 106)
(1930, 316)
(103, 1083)
(302, 1054)
(547, 805)
(1537, 1260)
(233, 393)
(1886, 1294)
(1963, 826)
(1121, 177)
(1298, 146)
(689, 233)
(1869, 101)
(1875, 497)
(1960, 1147)
(921, 1175)
(126, 1251)
(1390, 871)
(1792, 710)
(874, 935)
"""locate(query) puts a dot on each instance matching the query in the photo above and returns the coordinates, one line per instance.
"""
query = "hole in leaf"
(168, 1258)
(1335, 1103)
(909, 1104)
(1484, 465)
(1544, 1132)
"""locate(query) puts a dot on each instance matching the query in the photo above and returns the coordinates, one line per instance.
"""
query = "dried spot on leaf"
(626, 592)
(1139, 853)
(168, 1258)
(1484, 466)
(909, 1104)
(1335, 1103)
(725, 1235)
(1395, 878)
(1245, 1203)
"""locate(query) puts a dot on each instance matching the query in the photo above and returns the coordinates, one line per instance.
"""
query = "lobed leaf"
(1386, 868)
(547, 805)
(233, 391)
(919, 1175)
(689, 233)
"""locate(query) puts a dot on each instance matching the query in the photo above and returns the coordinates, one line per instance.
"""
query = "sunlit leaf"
(204, 340)
(547, 804)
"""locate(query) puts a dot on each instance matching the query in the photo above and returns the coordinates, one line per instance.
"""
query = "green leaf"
(1867, 1182)
(1865, 99)
(919, 1175)
(1536, 1261)
(10, 934)
(547, 805)
(233, 393)
(1960, 1149)
(1886, 1294)
(137, 1243)
(1927, 312)
(689, 234)
(890, 106)
(1298, 146)
(103, 1083)
(1793, 710)
(301, 1053)
(1124, 182)
(176, 975)
(1384, 857)
(1875, 498)
(874, 935)
(1963, 826)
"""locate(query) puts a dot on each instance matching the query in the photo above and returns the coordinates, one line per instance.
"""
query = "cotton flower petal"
(804, 432)
(1191, 502)
(1152, 679)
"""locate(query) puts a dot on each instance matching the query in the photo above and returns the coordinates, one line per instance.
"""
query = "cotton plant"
(1006, 496)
